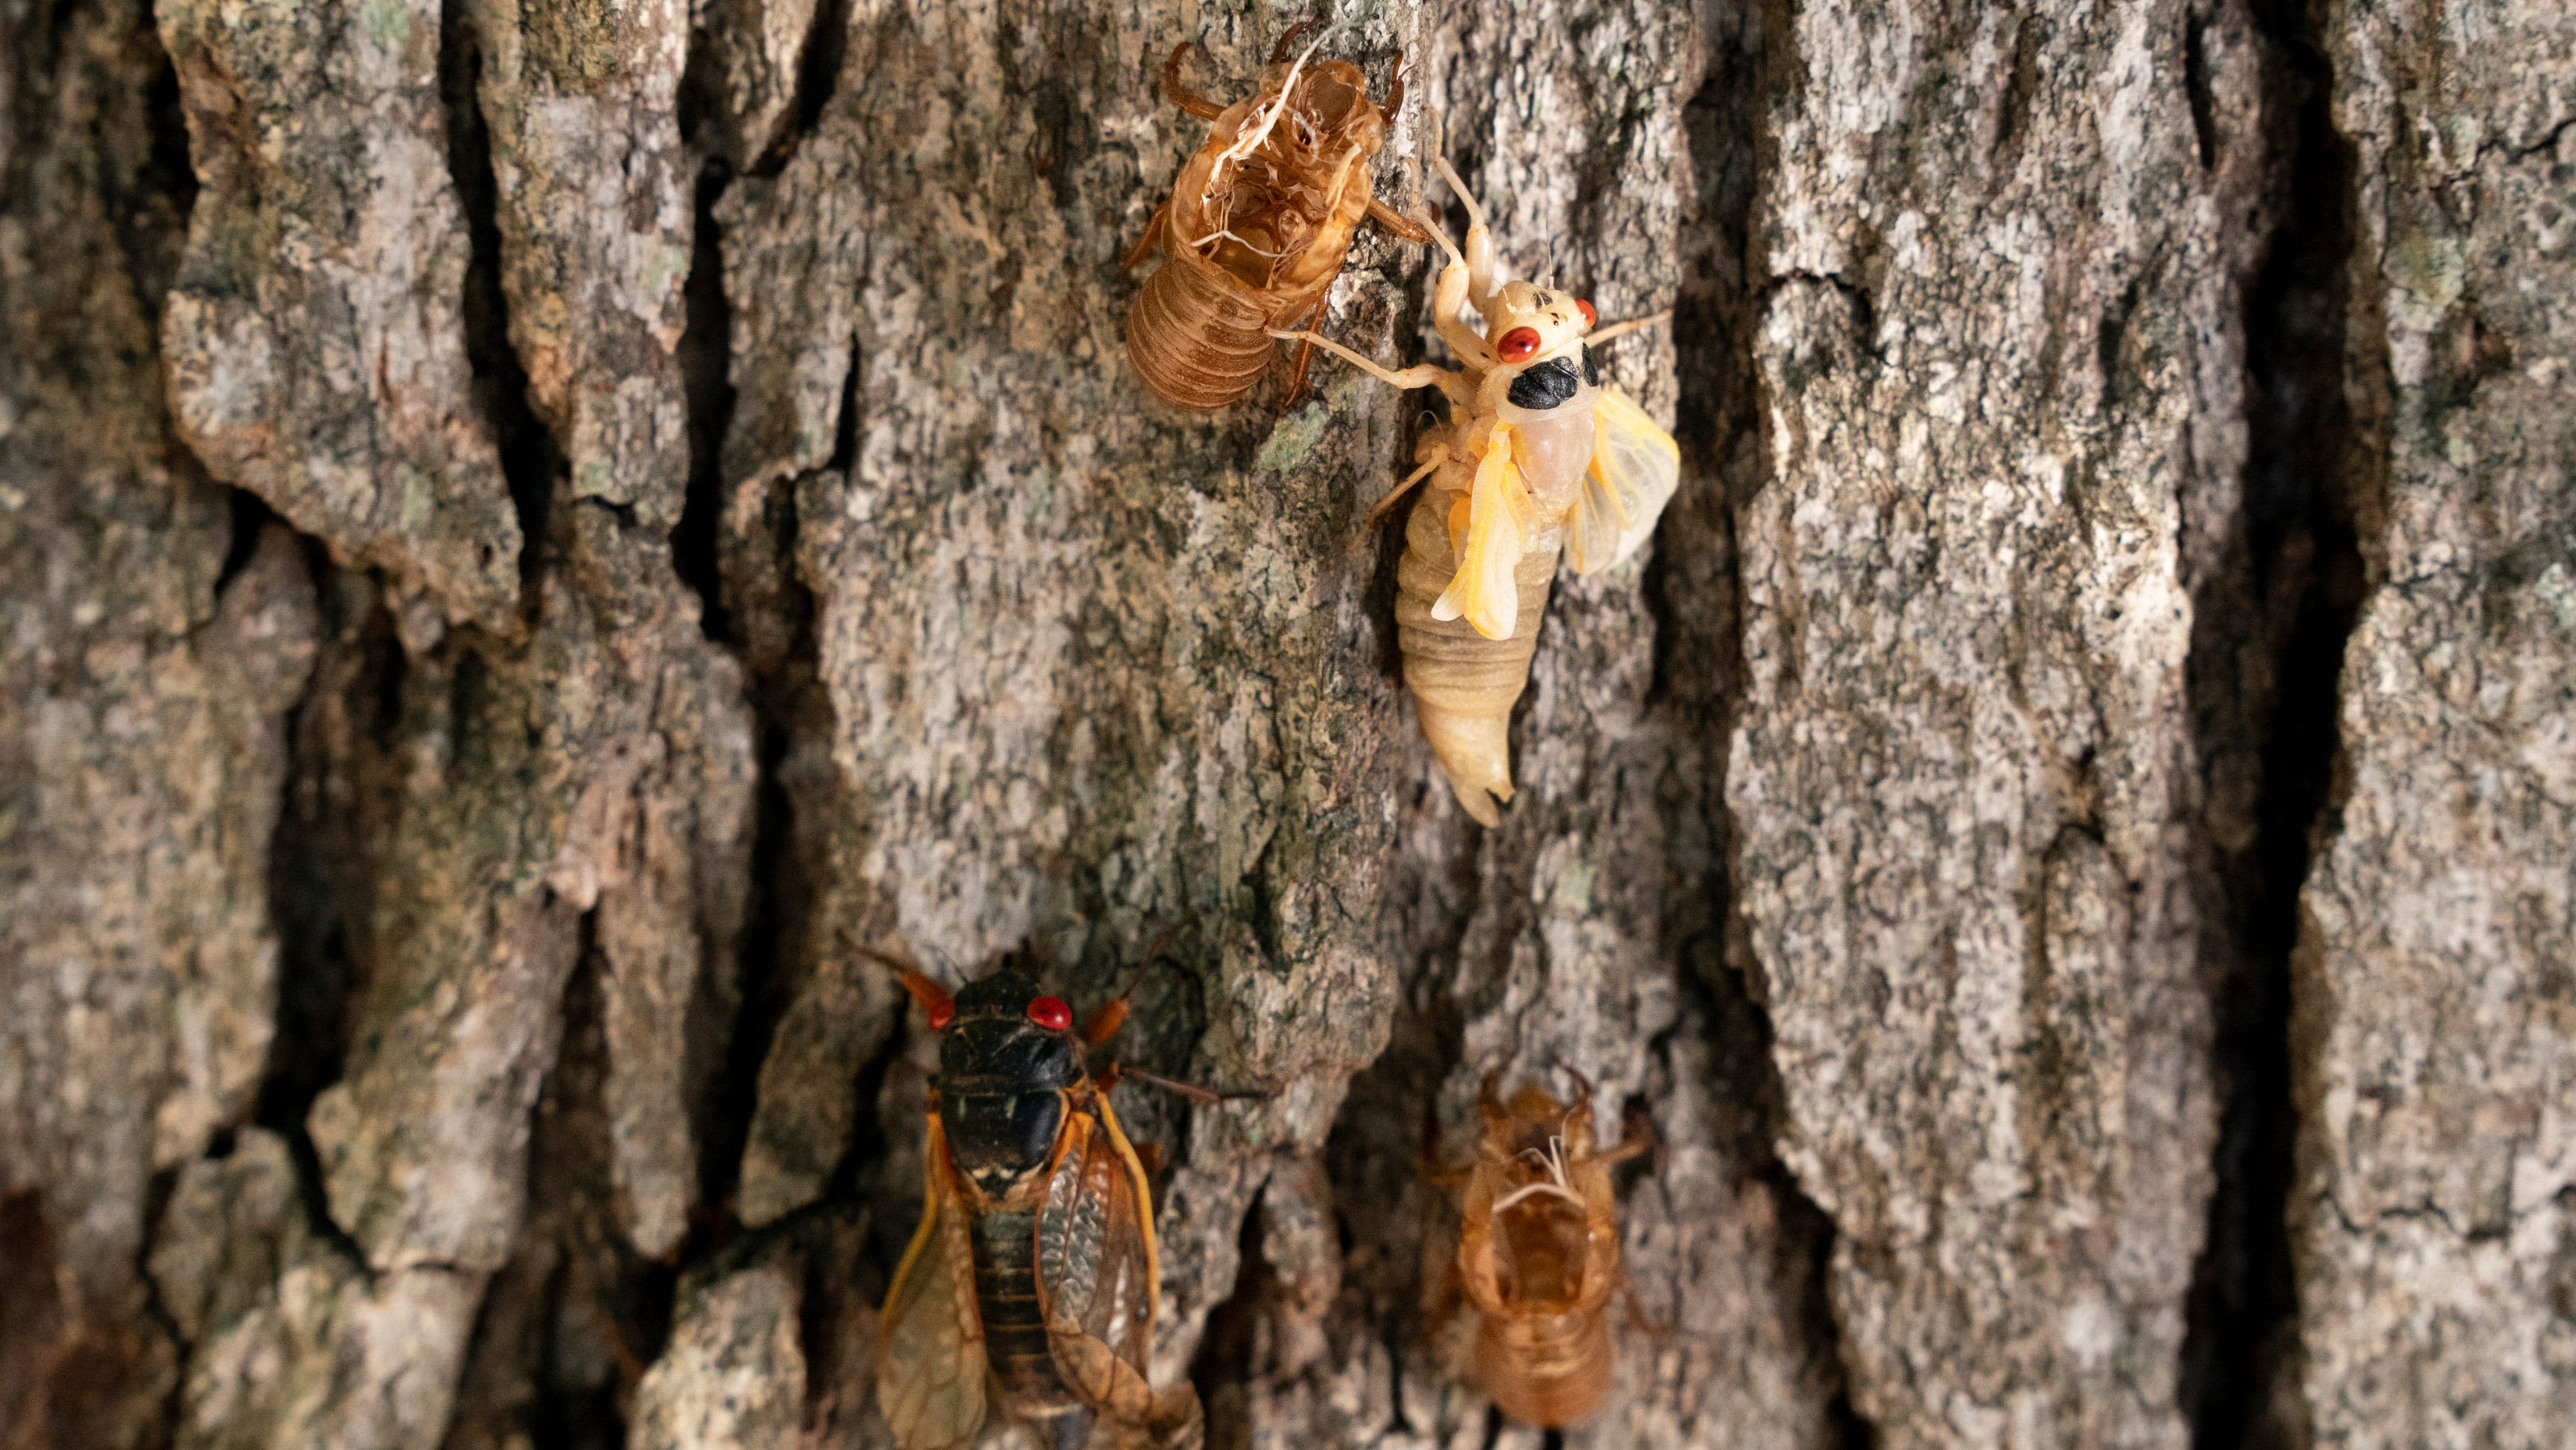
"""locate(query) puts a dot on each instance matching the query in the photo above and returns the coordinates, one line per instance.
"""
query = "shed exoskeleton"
(1258, 224)
(1538, 1254)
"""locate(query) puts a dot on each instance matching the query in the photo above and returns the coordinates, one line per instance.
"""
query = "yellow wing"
(1635, 467)
(1498, 508)
(930, 1372)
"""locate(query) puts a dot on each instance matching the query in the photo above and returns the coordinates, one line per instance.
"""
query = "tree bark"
(541, 539)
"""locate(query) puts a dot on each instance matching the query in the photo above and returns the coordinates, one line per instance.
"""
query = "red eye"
(1590, 317)
(941, 1013)
(1051, 1013)
(1518, 345)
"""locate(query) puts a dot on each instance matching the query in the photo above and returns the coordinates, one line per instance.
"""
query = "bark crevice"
(531, 460)
(2291, 601)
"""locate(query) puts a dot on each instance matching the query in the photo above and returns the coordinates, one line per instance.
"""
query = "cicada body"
(1257, 226)
(1030, 1288)
(1538, 460)
(1538, 1252)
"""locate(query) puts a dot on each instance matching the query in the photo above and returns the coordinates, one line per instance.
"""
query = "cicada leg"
(1305, 355)
(1105, 1021)
(1480, 238)
(1420, 375)
(1181, 95)
(1145, 244)
(1438, 454)
(1637, 1319)
(1394, 88)
(1117, 1072)
(1398, 223)
(1288, 39)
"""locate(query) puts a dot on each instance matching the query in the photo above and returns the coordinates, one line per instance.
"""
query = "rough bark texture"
(2436, 1202)
(539, 537)
(1964, 772)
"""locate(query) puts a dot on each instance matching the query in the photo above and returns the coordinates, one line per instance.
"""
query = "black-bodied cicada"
(1031, 1287)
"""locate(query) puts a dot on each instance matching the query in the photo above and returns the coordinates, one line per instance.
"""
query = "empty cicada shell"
(1257, 225)
(1538, 1255)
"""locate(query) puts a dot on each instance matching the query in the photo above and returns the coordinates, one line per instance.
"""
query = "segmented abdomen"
(1016, 1347)
(1463, 683)
(1546, 1369)
(1195, 336)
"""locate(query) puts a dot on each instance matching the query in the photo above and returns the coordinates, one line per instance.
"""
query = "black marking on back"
(1545, 384)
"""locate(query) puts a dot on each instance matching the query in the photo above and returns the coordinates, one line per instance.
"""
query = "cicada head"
(1537, 336)
(1006, 1056)
(1527, 323)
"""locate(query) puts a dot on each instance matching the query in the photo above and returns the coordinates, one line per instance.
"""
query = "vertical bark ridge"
(2434, 1210)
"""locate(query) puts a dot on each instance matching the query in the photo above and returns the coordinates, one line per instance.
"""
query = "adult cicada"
(1031, 1287)
(1537, 460)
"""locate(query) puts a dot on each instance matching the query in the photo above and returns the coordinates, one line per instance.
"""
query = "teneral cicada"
(1538, 1253)
(1538, 459)
(1031, 1287)
(1257, 226)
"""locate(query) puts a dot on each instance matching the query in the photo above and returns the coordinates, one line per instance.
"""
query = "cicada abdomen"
(1464, 683)
(1257, 226)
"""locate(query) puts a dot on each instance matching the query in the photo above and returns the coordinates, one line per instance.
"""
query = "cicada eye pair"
(1050, 1013)
(1522, 343)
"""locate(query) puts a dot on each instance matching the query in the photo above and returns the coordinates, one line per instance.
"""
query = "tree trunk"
(539, 538)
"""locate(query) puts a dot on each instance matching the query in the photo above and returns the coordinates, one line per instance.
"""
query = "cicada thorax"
(1255, 231)
(1538, 1251)
(1464, 683)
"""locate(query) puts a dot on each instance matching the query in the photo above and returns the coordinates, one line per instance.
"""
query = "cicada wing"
(1485, 591)
(1635, 468)
(1097, 1266)
(930, 1372)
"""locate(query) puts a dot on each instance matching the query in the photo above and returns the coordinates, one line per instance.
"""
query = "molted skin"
(1199, 332)
(1538, 1250)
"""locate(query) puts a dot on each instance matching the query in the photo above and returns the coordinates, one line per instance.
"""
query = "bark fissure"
(1699, 662)
(2302, 572)
(531, 459)
(818, 71)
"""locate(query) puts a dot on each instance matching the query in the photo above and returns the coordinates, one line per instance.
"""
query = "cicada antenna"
(936, 1000)
(1109, 1016)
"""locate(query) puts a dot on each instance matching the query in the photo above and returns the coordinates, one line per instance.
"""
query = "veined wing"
(930, 1370)
(1097, 1265)
(1484, 591)
(1635, 467)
